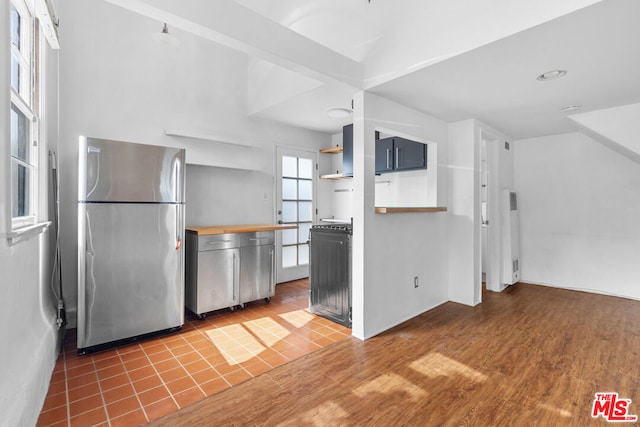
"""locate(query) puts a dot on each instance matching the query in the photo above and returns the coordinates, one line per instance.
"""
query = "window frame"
(298, 244)
(26, 100)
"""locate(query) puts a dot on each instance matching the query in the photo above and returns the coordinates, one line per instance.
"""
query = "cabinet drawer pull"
(214, 242)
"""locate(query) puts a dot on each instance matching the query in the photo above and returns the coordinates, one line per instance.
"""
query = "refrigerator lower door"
(130, 271)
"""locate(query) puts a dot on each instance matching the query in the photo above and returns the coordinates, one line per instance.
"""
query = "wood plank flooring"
(531, 355)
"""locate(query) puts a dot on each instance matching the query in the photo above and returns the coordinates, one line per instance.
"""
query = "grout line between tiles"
(135, 392)
(104, 404)
(161, 379)
(66, 384)
(209, 363)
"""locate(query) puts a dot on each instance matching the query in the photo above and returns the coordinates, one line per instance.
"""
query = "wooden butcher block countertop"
(240, 228)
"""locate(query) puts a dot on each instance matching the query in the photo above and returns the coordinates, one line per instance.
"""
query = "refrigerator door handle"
(178, 221)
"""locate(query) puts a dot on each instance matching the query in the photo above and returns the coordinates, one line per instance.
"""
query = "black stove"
(330, 271)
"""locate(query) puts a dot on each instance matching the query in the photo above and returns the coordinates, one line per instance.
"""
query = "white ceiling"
(489, 74)
(496, 83)
(599, 46)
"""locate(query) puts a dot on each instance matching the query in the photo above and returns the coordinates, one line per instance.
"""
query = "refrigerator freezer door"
(115, 171)
(131, 279)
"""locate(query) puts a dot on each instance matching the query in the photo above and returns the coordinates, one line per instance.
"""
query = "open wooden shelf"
(332, 150)
(389, 210)
(335, 176)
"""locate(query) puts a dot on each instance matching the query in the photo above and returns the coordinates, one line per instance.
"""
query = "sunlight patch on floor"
(267, 330)
(388, 384)
(436, 364)
(235, 343)
(298, 318)
(327, 414)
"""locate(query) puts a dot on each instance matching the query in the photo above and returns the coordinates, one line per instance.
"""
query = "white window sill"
(25, 233)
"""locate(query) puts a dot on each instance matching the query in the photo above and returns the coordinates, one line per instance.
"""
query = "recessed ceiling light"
(571, 108)
(338, 113)
(551, 75)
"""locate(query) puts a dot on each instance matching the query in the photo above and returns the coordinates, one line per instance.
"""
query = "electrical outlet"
(415, 282)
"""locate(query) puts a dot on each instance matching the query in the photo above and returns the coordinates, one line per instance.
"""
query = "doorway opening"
(490, 212)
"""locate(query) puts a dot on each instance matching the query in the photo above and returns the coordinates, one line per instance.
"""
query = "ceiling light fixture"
(338, 113)
(165, 38)
(551, 75)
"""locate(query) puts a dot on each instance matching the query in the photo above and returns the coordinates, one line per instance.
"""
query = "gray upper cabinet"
(396, 154)
(347, 150)
(384, 155)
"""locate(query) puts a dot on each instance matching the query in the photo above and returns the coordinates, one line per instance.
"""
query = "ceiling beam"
(230, 24)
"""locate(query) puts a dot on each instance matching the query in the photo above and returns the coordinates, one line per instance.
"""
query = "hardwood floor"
(531, 355)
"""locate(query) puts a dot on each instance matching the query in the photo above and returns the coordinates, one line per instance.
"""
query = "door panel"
(217, 280)
(295, 205)
(128, 172)
(410, 154)
(131, 279)
(256, 269)
(330, 276)
(384, 155)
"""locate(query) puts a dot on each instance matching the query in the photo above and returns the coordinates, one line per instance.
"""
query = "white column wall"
(465, 264)
(390, 250)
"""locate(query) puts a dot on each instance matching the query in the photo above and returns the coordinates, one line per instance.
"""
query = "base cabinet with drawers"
(228, 270)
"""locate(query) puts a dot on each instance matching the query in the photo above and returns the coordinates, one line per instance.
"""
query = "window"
(24, 114)
(297, 208)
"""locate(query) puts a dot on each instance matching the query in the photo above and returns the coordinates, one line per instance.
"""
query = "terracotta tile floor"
(143, 381)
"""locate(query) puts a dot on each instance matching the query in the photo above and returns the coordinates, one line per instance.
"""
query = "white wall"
(390, 250)
(579, 208)
(464, 213)
(29, 337)
(218, 196)
(117, 83)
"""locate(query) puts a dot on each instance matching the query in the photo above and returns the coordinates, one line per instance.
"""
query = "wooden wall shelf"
(332, 150)
(335, 176)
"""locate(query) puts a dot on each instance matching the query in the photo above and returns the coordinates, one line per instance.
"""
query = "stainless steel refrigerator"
(130, 233)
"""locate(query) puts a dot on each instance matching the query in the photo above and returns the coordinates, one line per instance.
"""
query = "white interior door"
(295, 205)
